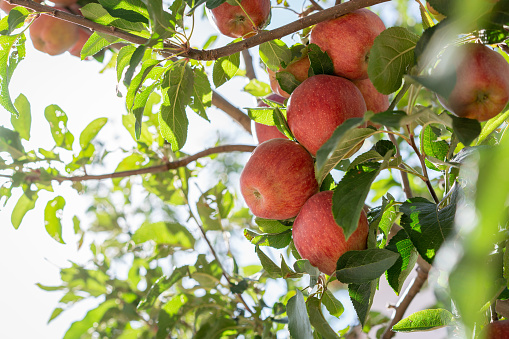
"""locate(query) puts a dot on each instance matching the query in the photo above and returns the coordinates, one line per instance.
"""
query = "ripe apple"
(242, 20)
(319, 105)
(278, 179)
(496, 330)
(78, 46)
(298, 68)
(265, 132)
(482, 83)
(319, 239)
(376, 102)
(347, 40)
(52, 35)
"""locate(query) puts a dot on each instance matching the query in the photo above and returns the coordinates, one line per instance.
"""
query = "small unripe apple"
(265, 132)
(319, 105)
(242, 20)
(278, 179)
(53, 36)
(482, 82)
(298, 68)
(348, 40)
(319, 239)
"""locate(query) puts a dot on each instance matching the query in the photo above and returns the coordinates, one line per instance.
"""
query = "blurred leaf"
(317, 319)
(129, 122)
(390, 57)
(466, 129)
(257, 88)
(304, 266)
(164, 233)
(424, 320)
(10, 142)
(397, 274)
(225, 68)
(90, 132)
(389, 118)
(12, 51)
(52, 216)
(360, 267)
(23, 205)
(320, 62)
(130, 162)
(275, 52)
(333, 305)
(169, 315)
(23, 121)
(57, 120)
(214, 328)
(271, 226)
(362, 298)
(81, 327)
(161, 285)
(56, 312)
(298, 320)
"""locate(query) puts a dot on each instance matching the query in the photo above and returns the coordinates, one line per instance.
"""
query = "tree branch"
(232, 111)
(212, 54)
(164, 167)
(407, 297)
(248, 61)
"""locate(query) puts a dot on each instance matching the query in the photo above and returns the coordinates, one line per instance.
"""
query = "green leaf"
(130, 10)
(271, 226)
(52, 222)
(427, 225)
(389, 118)
(162, 24)
(317, 319)
(11, 142)
(426, 117)
(164, 233)
(202, 94)
(131, 162)
(275, 52)
(136, 58)
(298, 321)
(466, 129)
(333, 305)
(287, 81)
(16, 18)
(369, 156)
(23, 205)
(97, 42)
(264, 115)
(257, 88)
(304, 266)
(433, 147)
(129, 122)
(280, 240)
(397, 274)
(362, 298)
(90, 132)
(162, 284)
(23, 121)
(57, 120)
(123, 59)
(172, 116)
(79, 328)
(273, 270)
(424, 320)
(391, 56)
(345, 138)
(320, 61)
(215, 328)
(12, 51)
(97, 13)
(225, 68)
(360, 267)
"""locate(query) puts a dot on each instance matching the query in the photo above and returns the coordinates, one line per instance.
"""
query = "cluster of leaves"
(202, 299)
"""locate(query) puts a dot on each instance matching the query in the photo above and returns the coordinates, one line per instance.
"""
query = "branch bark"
(235, 113)
(161, 168)
(212, 54)
(248, 62)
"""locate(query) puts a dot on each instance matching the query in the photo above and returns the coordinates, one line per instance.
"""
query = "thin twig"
(404, 175)
(317, 6)
(424, 170)
(235, 113)
(407, 297)
(248, 62)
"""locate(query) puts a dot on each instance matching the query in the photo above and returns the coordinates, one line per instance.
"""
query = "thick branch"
(164, 167)
(212, 54)
(407, 297)
(232, 111)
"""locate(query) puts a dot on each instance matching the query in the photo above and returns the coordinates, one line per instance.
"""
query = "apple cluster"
(54, 36)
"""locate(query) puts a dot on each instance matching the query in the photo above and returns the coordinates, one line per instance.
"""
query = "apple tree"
(399, 125)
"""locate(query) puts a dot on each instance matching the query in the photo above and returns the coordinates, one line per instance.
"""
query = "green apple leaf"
(445, 7)
(257, 88)
(162, 284)
(320, 62)
(427, 225)
(390, 58)
(441, 84)
(275, 52)
(362, 298)
(381, 218)
(12, 51)
(466, 129)
(52, 220)
(16, 18)
(286, 271)
(262, 115)
(123, 59)
(298, 320)
(369, 156)
(332, 304)
(97, 42)
(172, 116)
(280, 240)
(287, 81)
(273, 270)
(425, 117)
(397, 274)
(23, 205)
(360, 267)
(389, 118)
(225, 68)
(130, 10)
(281, 123)
(317, 319)
(304, 266)
(491, 125)
(22, 123)
(202, 93)
(10, 142)
(57, 120)
(94, 316)
(271, 226)
(91, 131)
(424, 320)
(433, 147)
(164, 233)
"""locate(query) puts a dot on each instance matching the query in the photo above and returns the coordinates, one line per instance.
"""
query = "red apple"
(347, 40)
(278, 179)
(298, 68)
(319, 105)
(319, 239)
(78, 46)
(496, 330)
(52, 35)
(482, 83)
(265, 132)
(242, 20)
(376, 102)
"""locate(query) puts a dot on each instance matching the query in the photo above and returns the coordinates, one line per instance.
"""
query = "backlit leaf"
(52, 216)
(424, 320)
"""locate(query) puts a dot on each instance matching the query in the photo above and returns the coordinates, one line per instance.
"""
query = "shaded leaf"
(466, 129)
(317, 319)
(320, 62)
(397, 274)
(362, 298)
(360, 267)
(273, 270)
(275, 52)
(298, 320)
